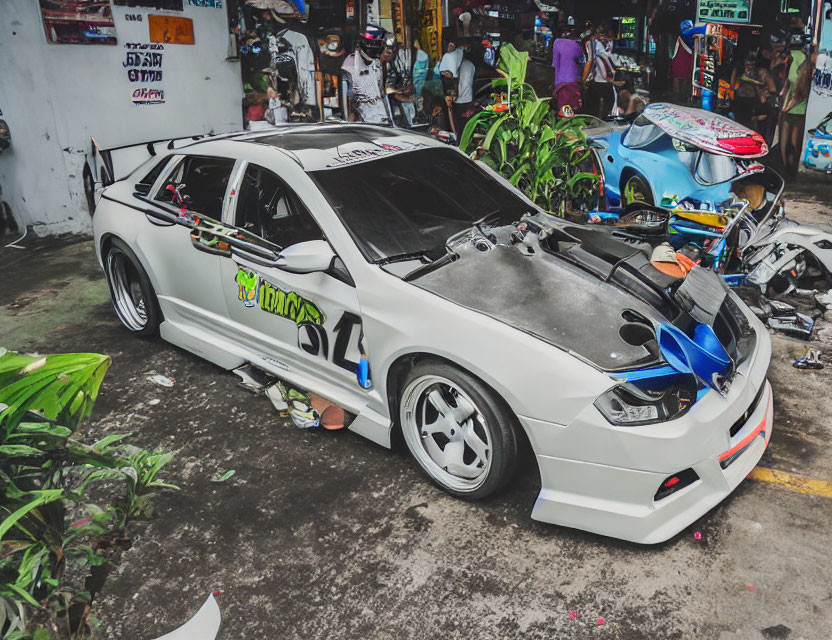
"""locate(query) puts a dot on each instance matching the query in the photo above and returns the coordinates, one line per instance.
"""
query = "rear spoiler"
(106, 164)
(103, 167)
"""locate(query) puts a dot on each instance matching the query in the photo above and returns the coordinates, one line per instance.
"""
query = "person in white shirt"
(599, 71)
(363, 79)
(457, 73)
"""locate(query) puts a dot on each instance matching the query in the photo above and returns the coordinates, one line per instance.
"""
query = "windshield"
(713, 168)
(641, 134)
(411, 203)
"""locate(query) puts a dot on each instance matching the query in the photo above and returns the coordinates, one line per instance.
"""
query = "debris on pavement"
(161, 380)
(204, 625)
(810, 359)
(573, 615)
(601, 621)
(253, 379)
(697, 535)
(797, 324)
(223, 477)
(824, 299)
(153, 402)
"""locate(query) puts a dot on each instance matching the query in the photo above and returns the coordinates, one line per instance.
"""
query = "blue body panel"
(667, 171)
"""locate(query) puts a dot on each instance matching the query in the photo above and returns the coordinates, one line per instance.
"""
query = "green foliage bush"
(544, 156)
(45, 478)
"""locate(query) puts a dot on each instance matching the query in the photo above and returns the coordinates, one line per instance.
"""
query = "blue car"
(670, 154)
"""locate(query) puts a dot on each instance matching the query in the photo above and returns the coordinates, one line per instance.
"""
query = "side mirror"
(306, 257)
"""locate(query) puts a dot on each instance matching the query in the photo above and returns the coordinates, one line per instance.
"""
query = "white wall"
(55, 97)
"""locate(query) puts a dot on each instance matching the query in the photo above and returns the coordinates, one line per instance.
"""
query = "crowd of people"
(383, 82)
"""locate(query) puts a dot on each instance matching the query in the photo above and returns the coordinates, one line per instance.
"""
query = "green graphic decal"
(288, 305)
(254, 290)
(247, 282)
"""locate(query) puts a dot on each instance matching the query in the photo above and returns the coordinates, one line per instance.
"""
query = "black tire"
(636, 190)
(486, 439)
(89, 188)
(133, 297)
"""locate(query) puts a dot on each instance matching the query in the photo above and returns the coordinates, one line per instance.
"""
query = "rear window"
(150, 179)
(641, 134)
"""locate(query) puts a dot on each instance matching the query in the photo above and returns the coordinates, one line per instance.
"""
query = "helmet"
(372, 41)
(798, 40)
(686, 25)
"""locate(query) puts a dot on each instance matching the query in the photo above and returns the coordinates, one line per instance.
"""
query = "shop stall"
(713, 56)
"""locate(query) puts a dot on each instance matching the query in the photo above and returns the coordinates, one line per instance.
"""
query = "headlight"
(626, 405)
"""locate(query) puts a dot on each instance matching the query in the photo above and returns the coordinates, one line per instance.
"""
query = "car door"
(186, 277)
(305, 323)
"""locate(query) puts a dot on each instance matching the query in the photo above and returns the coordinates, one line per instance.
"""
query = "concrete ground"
(326, 535)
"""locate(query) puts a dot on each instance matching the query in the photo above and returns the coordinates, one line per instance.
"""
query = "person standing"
(464, 107)
(793, 117)
(363, 78)
(794, 111)
(568, 60)
(600, 73)
(681, 63)
(753, 85)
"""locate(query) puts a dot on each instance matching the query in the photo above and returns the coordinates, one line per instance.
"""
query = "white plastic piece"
(273, 394)
(203, 626)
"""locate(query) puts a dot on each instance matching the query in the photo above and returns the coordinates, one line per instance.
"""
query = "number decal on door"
(312, 339)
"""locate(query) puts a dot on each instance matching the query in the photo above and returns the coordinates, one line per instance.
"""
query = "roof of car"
(709, 131)
(326, 145)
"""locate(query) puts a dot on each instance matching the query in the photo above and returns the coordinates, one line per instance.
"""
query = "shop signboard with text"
(724, 11)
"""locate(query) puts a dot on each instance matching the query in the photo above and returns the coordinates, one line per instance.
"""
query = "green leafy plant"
(547, 157)
(45, 473)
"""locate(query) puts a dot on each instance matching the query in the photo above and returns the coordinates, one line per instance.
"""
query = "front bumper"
(603, 479)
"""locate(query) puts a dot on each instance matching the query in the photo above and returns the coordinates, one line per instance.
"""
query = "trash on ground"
(824, 299)
(204, 625)
(153, 402)
(275, 395)
(573, 615)
(697, 535)
(797, 324)
(161, 380)
(810, 359)
(225, 476)
(254, 379)
(307, 410)
(601, 621)
(750, 587)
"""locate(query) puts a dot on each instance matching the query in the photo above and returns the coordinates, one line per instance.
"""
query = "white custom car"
(420, 291)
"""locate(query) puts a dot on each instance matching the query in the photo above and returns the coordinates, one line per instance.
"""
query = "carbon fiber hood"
(586, 293)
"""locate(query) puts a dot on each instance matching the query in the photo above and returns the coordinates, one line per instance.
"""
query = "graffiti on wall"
(78, 21)
(143, 63)
(146, 95)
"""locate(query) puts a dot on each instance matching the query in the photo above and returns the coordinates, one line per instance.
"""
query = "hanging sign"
(724, 11)
(78, 21)
(171, 29)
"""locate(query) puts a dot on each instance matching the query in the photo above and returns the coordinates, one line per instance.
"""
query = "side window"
(267, 208)
(144, 185)
(198, 184)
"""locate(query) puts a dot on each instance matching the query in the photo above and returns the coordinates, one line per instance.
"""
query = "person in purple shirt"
(567, 59)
